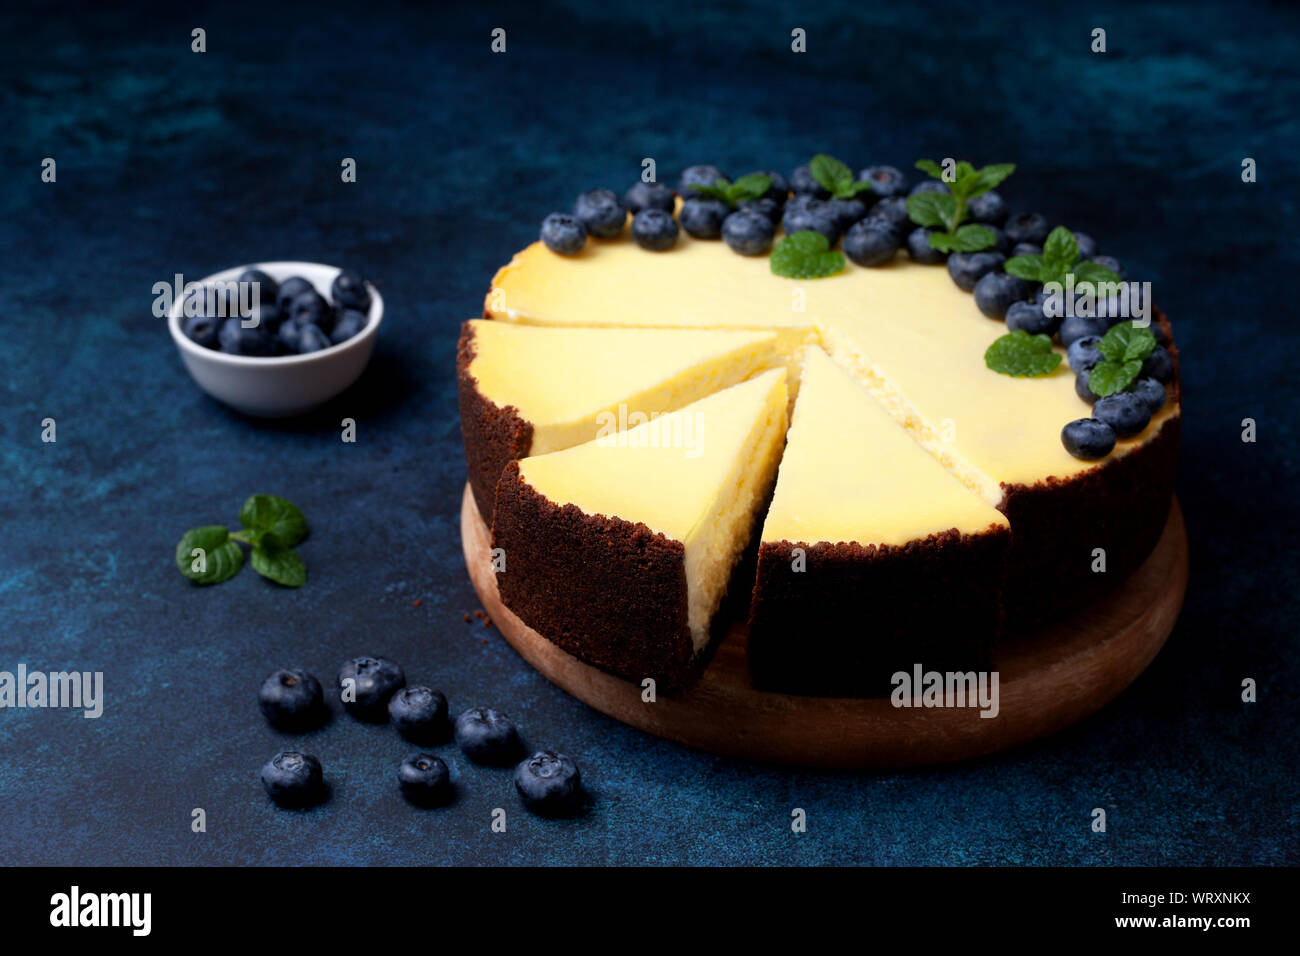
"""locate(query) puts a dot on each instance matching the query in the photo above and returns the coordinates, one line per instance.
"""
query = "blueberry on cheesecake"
(748, 232)
(563, 234)
(648, 196)
(601, 212)
(654, 229)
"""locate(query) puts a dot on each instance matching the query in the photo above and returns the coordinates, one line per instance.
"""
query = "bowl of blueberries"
(277, 338)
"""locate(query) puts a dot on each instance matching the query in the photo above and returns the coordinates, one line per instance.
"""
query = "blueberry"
(871, 243)
(1083, 354)
(995, 291)
(1029, 317)
(310, 308)
(703, 175)
(806, 213)
(702, 218)
(292, 699)
(1088, 439)
(266, 316)
(929, 186)
(348, 323)
(919, 248)
(764, 206)
(311, 339)
(967, 268)
(1087, 245)
(550, 785)
(348, 291)
(893, 211)
(1151, 392)
(779, 190)
(654, 229)
(201, 329)
(1158, 331)
(563, 234)
(1124, 412)
(237, 340)
(1083, 386)
(1111, 263)
(886, 181)
(846, 211)
(287, 337)
(293, 779)
(268, 290)
(988, 208)
(1027, 227)
(648, 196)
(803, 183)
(602, 212)
(366, 684)
(1159, 365)
(1026, 249)
(1075, 327)
(419, 714)
(290, 289)
(487, 736)
(424, 780)
(748, 232)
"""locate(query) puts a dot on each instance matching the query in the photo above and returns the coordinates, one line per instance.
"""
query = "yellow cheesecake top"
(850, 472)
(669, 472)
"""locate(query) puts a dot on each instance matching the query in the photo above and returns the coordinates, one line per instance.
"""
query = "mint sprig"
(947, 211)
(752, 186)
(805, 255)
(1060, 258)
(836, 177)
(271, 526)
(1125, 347)
(1022, 355)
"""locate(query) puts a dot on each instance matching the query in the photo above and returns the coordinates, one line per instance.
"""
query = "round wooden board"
(1047, 680)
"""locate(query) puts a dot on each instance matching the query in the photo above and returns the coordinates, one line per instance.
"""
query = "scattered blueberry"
(201, 329)
(929, 186)
(550, 785)
(290, 289)
(703, 175)
(748, 232)
(654, 229)
(988, 208)
(365, 685)
(1083, 354)
(1026, 249)
(1087, 245)
(919, 248)
(1124, 412)
(1111, 263)
(424, 780)
(702, 218)
(803, 183)
(893, 211)
(967, 268)
(293, 779)
(602, 212)
(237, 340)
(563, 234)
(806, 213)
(1027, 227)
(267, 288)
(1159, 365)
(292, 699)
(1029, 317)
(348, 324)
(1151, 392)
(348, 291)
(648, 196)
(419, 714)
(1083, 386)
(764, 206)
(1088, 438)
(886, 181)
(488, 737)
(311, 339)
(871, 243)
(1074, 327)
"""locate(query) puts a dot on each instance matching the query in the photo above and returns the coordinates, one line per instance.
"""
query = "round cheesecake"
(925, 504)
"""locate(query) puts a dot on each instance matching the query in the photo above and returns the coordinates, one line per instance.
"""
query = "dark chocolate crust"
(492, 435)
(858, 614)
(610, 592)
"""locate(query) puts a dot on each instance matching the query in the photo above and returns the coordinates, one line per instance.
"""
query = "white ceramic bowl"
(282, 385)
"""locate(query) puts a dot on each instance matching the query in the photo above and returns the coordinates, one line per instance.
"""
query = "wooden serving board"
(1047, 680)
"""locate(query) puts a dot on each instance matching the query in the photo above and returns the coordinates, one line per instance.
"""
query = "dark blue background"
(170, 161)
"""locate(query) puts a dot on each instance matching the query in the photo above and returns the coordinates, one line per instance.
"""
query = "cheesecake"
(873, 556)
(620, 549)
(526, 391)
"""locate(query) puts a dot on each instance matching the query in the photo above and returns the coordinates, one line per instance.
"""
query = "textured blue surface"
(172, 161)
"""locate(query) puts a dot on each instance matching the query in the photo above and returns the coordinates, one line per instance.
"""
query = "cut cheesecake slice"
(873, 557)
(529, 391)
(620, 550)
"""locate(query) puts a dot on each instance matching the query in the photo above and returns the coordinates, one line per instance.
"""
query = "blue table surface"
(173, 161)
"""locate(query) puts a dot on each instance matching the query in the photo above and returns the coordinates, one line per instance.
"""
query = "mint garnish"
(751, 186)
(1022, 355)
(948, 210)
(805, 255)
(836, 177)
(271, 525)
(1125, 347)
(1060, 258)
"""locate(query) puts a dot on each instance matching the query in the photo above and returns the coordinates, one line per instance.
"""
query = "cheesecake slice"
(873, 556)
(529, 391)
(620, 550)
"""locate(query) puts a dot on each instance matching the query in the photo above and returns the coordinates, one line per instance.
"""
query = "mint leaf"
(750, 186)
(1088, 273)
(968, 238)
(1110, 377)
(932, 209)
(805, 255)
(716, 191)
(218, 559)
(1026, 267)
(273, 560)
(270, 513)
(990, 177)
(1022, 355)
(931, 167)
(1061, 250)
(832, 174)
(1126, 343)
